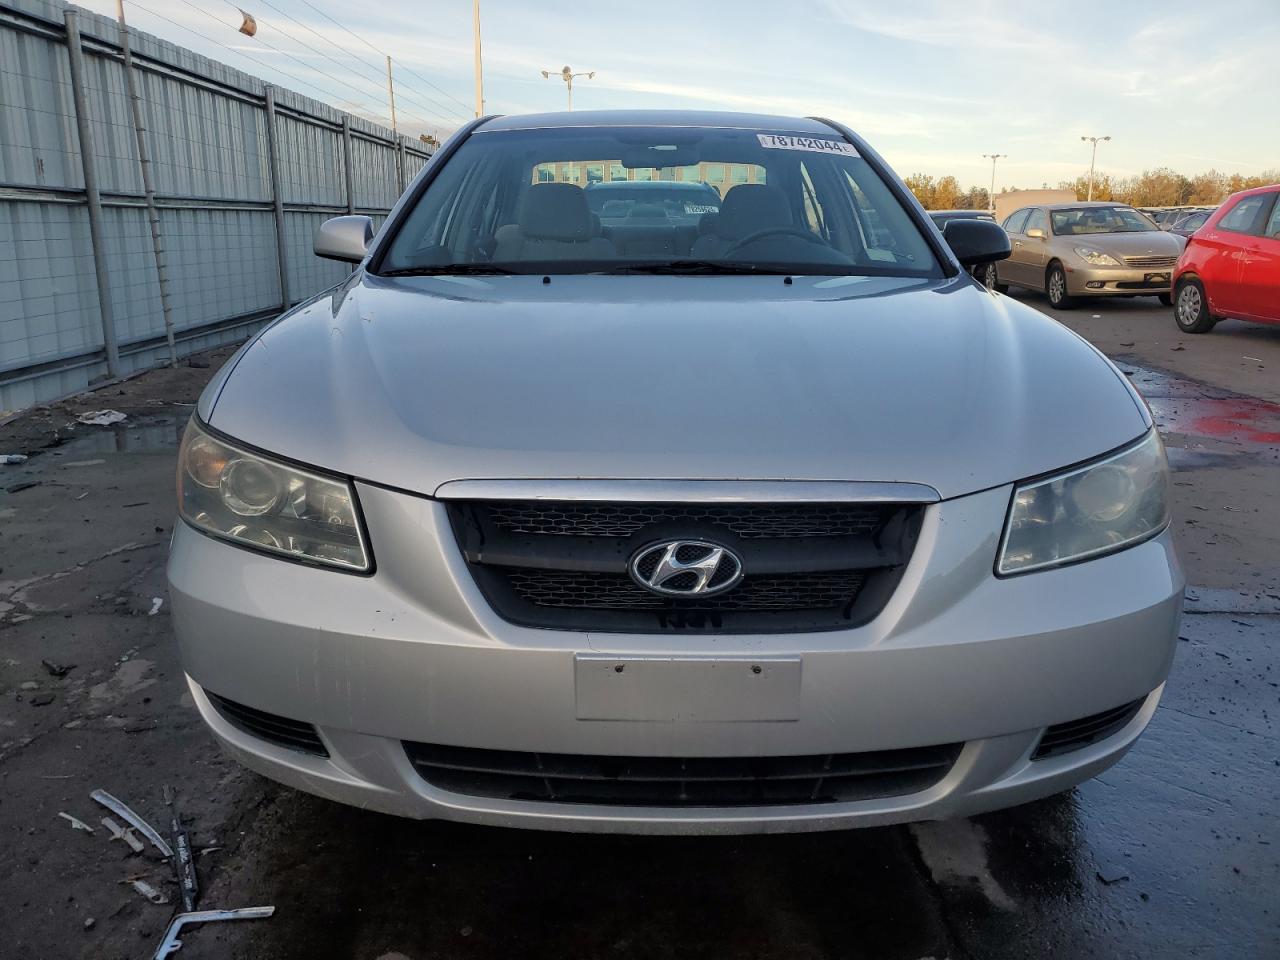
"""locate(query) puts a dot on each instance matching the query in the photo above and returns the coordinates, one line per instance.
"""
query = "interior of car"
(537, 197)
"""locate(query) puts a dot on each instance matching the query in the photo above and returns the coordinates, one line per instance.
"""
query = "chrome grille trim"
(691, 491)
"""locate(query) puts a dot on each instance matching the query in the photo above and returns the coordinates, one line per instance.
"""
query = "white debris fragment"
(156, 604)
(148, 891)
(122, 833)
(13, 459)
(75, 822)
(102, 418)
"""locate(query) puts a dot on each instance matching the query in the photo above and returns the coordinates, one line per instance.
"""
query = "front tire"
(1055, 286)
(991, 279)
(1191, 308)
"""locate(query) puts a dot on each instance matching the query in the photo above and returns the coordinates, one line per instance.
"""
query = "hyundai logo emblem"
(686, 568)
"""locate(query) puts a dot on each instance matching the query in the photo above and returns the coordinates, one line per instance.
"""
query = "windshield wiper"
(694, 267)
(448, 269)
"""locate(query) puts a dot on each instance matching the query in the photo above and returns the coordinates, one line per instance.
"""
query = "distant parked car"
(1190, 223)
(1166, 217)
(1231, 266)
(942, 217)
(1073, 250)
(653, 217)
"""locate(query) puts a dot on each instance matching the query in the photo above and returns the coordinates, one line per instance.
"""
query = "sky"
(932, 84)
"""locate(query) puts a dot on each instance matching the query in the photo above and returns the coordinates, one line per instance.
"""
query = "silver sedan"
(761, 516)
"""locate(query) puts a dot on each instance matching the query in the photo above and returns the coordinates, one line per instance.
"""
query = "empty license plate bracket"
(687, 689)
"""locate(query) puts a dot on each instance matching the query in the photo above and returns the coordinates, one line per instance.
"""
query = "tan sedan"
(1074, 250)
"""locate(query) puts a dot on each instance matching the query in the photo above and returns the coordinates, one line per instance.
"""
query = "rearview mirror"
(344, 238)
(1035, 233)
(976, 241)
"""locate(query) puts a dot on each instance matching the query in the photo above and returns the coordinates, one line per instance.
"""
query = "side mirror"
(344, 238)
(976, 241)
(1035, 233)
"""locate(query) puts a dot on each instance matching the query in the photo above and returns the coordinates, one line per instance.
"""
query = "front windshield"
(654, 199)
(1081, 220)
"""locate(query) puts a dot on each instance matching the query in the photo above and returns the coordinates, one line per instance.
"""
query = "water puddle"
(1207, 426)
(135, 435)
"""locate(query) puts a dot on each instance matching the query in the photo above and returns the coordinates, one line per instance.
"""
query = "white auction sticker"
(781, 141)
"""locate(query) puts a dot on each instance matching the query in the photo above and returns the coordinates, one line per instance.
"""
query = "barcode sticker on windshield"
(780, 141)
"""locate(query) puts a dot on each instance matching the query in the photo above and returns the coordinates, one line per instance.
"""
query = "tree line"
(1161, 187)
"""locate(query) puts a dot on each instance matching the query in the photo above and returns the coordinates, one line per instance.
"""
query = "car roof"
(658, 118)
(959, 213)
(1269, 188)
(1082, 203)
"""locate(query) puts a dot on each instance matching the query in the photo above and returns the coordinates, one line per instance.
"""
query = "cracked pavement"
(1175, 852)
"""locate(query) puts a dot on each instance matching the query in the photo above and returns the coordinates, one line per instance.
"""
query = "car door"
(1224, 246)
(1013, 269)
(1035, 252)
(1260, 266)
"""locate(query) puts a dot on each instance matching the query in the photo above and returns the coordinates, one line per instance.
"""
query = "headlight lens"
(1096, 509)
(1096, 257)
(247, 498)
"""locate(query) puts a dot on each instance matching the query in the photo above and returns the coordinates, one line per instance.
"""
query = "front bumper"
(414, 653)
(1117, 281)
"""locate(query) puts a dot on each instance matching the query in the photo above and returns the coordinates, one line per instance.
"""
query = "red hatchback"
(1231, 266)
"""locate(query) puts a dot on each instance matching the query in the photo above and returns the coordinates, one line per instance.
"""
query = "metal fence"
(243, 172)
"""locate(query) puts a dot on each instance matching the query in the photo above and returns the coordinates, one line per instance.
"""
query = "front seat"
(748, 208)
(555, 223)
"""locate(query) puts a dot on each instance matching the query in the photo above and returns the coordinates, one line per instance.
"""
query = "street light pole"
(567, 76)
(991, 194)
(475, 30)
(1093, 159)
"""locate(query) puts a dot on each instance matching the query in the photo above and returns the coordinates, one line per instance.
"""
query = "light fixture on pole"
(991, 194)
(1093, 159)
(567, 75)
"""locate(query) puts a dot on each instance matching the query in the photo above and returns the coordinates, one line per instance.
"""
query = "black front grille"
(564, 565)
(294, 734)
(1076, 734)
(681, 781)
(585, 590)
(749, 521)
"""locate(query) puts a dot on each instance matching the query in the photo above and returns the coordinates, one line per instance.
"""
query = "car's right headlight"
(1089, 511)
(1096, 257)
(262, 503)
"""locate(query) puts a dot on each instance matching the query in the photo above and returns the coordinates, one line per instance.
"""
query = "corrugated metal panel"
(48, 301)
(374, 165)
(207, 135)
(38, 142)
(308, 171)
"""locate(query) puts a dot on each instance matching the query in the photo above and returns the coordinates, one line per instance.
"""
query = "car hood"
(1153, 243)
(418, 381)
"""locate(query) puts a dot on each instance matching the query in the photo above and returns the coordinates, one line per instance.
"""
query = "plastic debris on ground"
(120, 833)
(148, 891)
(12, 459)
(102, 418)
(76, 822)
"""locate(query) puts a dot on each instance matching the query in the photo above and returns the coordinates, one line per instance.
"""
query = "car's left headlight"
(1096, 257)
(1089, 511)
(264, 504)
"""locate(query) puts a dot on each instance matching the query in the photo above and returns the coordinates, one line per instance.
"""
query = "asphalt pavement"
(1175, 852)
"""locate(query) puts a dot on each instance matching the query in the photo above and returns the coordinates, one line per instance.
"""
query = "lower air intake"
(293, 734)
(681, 781)
(1077, 734)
